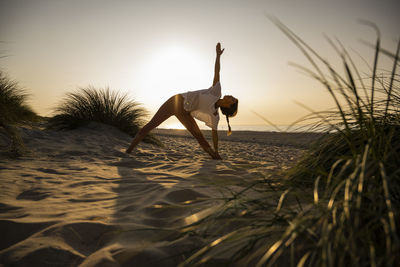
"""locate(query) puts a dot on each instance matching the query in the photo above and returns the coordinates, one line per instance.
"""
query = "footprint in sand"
(6, 208)
(52, 171)
(184, 195)
(33, 194)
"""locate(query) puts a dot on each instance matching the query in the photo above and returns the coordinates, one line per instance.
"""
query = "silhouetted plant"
(14, 111)
(13, 103)
(99, 105)
(341, 203)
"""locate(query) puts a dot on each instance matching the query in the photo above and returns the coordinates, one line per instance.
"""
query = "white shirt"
(201, 105)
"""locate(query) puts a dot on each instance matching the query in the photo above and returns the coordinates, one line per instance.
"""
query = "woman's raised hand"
(219, 51)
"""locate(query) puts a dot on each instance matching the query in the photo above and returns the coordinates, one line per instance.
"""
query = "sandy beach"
(76, 199)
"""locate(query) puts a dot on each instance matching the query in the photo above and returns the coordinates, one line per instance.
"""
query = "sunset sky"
(154, 49)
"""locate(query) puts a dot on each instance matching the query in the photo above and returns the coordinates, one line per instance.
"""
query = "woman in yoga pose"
(202, 105)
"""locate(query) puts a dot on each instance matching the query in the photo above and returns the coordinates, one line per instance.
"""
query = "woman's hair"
(230, 112)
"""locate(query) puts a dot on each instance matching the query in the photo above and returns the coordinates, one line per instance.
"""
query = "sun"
(173, 69)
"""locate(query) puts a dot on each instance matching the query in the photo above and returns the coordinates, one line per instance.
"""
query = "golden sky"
(154, 49)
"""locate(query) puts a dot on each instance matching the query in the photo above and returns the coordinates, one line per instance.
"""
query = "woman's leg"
(173, 106)
(164, 112)
(187, 120)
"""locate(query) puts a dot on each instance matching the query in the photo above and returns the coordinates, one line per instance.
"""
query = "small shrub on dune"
(341, 203)
(14, 111)
(13, 103)
(99, 105)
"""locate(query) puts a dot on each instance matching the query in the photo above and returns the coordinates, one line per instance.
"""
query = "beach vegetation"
(14, 111)
(340, 204)
(100, 105)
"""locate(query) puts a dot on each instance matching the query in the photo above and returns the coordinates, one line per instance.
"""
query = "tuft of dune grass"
(340, 205)
(14, 111)
(100, 105)
(13, 103)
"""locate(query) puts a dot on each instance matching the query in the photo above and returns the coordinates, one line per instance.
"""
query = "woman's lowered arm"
(215, 139)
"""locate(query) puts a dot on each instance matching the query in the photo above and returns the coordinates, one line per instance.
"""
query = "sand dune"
(75, 198)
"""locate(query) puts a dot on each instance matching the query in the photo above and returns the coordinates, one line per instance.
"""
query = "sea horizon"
(253, 128)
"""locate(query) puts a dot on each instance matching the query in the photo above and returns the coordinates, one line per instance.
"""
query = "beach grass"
(100, 105)
(14, 111)
(339, 206)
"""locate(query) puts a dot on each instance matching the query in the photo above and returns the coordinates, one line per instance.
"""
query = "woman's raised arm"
(217, 63)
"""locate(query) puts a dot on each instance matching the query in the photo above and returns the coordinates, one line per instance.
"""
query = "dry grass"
(100, 105)
(340, 205)
(14, 111)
